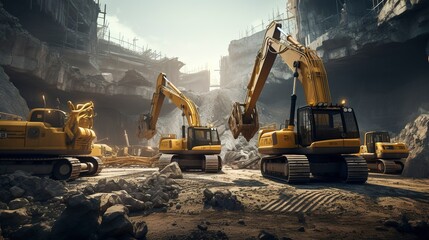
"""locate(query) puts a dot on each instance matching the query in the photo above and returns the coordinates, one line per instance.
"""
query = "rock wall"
(416, 136)
(8, 91)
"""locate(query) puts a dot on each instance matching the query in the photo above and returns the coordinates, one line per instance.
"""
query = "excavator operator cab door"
(202, 136)
(50, 117)
(325, 123)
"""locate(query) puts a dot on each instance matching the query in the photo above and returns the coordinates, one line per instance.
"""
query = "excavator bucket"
(144, 131)
(238, 125)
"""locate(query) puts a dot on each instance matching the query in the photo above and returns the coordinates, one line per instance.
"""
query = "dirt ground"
(317, 210)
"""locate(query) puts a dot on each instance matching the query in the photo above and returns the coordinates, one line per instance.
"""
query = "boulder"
(131, 203)
(79, 220)
(115, 222)
(222, 200)
(172, 170)
(16, 191)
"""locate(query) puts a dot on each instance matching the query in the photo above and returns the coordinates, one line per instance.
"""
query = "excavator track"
(213, 164)
(75, 163)
(58, 168)
(164, 160)
(388, 167)
(286, 168)
(356, 169)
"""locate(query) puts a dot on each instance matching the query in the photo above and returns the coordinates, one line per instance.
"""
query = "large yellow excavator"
(199, 150)
(327, 134)
(382, 155)
(50, 143)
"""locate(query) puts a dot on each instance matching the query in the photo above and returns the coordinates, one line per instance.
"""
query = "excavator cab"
(202, 136)
(319, 123)
(373, 137)
(50, 117)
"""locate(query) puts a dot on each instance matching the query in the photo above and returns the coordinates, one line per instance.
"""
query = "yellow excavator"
(382, 155)
(50, 143)
(327, 134)
(198, 149)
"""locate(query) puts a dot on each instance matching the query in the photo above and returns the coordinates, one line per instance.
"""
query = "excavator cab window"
(372, 138)
(51, 117)
(318, 124)
(202, 136)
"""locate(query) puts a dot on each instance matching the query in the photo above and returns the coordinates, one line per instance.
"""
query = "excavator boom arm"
(311, 73)
(164, 88)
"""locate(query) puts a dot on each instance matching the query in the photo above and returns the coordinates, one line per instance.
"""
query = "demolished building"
(51, 48)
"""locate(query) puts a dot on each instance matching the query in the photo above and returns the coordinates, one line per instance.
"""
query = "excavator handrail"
(164, 88)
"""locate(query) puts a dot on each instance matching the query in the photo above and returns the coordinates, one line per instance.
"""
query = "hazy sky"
(196, 31)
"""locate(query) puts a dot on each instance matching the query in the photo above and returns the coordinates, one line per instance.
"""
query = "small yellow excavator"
(50, 143)
(199, 150)
(382, 155)
(327, 134)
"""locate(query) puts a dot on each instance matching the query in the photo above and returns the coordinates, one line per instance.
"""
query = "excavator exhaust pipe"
(237, 124)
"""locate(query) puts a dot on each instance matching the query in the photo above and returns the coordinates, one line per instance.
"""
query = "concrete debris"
(41, 189)
(79, 220)
(416, 136)
(134, 78)
(222, 200)
(18, 203)
(172, 170)
(404, 225)
(115, 222)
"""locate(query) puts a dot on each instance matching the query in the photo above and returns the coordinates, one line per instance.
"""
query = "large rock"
(9, 91)
(222, 200)
(140, 229)
(37, 231)
(416, 136)
(14, 218)
(16, 191)
(115, 222)
(172, 170)
(79, 220)
(131, 203)
(18, 203)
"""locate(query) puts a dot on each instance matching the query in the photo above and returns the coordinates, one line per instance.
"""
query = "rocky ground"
(139, 203)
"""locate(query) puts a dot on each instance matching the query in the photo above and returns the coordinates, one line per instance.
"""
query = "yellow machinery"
(382, 155)
(196, 151)
(327, 135)
(50, 143)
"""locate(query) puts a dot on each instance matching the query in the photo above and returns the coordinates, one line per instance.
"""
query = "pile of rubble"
(242, 154)
(221, 200)
(416, 136)
(41, 208)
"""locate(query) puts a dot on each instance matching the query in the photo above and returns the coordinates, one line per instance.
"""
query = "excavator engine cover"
(238, 125)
